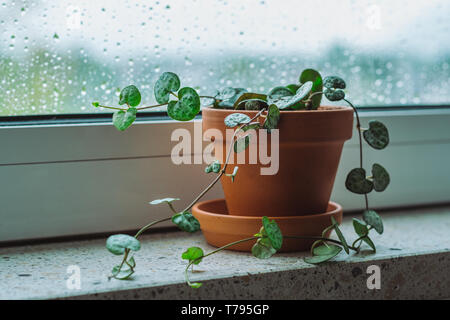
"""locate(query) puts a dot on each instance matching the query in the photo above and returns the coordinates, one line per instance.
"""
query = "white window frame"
(77, 179)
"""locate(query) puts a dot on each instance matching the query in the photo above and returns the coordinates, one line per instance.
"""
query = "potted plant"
(296, 197)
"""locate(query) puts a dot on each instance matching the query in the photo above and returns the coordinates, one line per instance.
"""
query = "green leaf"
(279, 92)
(122, 120)
(380, 177)
(377, 136)
(372, 218)
(123, 273)
(254, 104)
(195, 285)
(241, 144)
(334, 82)
(187, 107)
(247, 96)
(228, 100)
(357, 182)
(186, 222)
(164, 200)
(273, 232)
(340, 235)
(334, 94)
(130, 95)
(168, 82)
(360, 227)
(235, 119)
(117, 243)
(96, 104)
(294, 101)
(369, 243)
(272, 118)
(323, 253)
(194, 254)
(293, 88)
(215, 167)
(262, 249)
(316, 78)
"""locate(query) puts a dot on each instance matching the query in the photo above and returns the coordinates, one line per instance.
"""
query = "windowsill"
(418, 270)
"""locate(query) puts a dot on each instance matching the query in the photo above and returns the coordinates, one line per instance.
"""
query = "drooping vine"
(304, 95)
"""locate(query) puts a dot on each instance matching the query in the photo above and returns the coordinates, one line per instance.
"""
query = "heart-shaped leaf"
(130, 95)
(243, 96)
(360, 227)
(164, 200)
(186, 222)
(215, 167)
(323, 253)
(273, 232)
(123, 120)
(117, 243)
(334, 82)
(235, 119)
(334, 94)
(272, 118)
(372, 218)
(277, 93)
(229, 99)
(254, 104)
(377, 136)
(293, 88)
(168, 82)
(262, 249)
(187, 107)
(380, 177)
(241, 144)
(226, 93)
(295, 101)
(316, 78)
(340, 235)
(193, 254)
(357, 182)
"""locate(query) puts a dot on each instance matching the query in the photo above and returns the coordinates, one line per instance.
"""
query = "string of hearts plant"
(305, 95)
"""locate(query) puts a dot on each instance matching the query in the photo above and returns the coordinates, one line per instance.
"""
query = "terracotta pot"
(220, 228)
(310, 146)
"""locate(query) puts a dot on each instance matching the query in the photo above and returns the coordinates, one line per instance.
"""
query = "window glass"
(58, 56)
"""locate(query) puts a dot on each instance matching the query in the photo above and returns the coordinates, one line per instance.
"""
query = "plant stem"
(154, 106)
(225, 164)
(145, 228)
(186, 276)
(358, 126)
(319, 238)
(113, 108)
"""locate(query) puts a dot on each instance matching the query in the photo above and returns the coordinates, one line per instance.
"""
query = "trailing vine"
(304, 95)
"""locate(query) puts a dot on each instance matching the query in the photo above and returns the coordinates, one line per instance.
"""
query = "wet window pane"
(58, 56)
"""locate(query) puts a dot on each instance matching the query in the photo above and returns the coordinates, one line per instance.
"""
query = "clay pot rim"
(335, 209)
(321, 109)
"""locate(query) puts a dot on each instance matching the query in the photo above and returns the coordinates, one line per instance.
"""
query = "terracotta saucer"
(220, 228)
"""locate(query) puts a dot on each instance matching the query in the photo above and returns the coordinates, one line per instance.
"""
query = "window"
(78, 177)
(57, 57)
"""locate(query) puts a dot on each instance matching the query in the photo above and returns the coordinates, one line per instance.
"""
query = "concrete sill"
(413, 255)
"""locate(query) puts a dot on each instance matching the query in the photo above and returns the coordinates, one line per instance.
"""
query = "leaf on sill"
(186, 222)
(372, 218)
(117, 243)
(123, 120)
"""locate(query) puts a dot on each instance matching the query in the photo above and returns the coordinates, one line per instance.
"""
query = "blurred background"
(58, 56)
